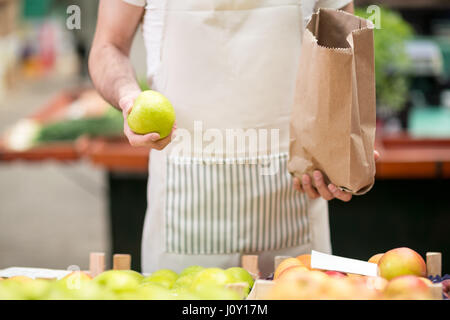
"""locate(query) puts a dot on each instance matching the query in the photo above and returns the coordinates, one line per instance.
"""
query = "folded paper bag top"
(332, 127)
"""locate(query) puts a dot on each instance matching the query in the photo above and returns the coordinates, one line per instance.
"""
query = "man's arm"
(109, 64)
(110, 67)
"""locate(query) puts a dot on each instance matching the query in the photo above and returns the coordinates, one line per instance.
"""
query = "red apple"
(292, 270)
(400, 262)
(336, 274)
(427, 281)
(285, 264)
(376, 283)
(407, 288)
(375, 258)
(302, 285)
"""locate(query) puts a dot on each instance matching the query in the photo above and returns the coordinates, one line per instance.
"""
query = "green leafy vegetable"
(391, 59)
(110, 124)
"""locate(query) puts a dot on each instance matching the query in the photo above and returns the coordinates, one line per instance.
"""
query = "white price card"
(34, 273)
(325, 261)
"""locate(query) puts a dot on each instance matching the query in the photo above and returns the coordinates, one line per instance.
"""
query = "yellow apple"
(401, 261)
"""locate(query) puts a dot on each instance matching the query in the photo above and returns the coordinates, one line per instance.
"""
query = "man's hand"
(327, 192)
(152, 140)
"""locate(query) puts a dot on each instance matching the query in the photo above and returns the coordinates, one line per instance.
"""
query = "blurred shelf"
(117, 155)
(405, 157)
(58, 151)
(62, 151)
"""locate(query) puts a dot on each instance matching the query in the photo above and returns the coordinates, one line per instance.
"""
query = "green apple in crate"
(192, 270)
(119, 280)
(211, 276)
(164, 277)
(184, 281)
(241, 275)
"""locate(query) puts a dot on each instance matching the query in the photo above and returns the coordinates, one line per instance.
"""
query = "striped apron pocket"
(232, 206)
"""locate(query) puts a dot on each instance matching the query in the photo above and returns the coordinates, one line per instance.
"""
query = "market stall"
(390, 243)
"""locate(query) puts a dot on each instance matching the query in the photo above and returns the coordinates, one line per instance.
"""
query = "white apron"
(227, 64)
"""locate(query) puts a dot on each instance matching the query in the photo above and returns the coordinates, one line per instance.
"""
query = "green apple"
(184, 281)
(215, 292)
(34, 289)
(86, 290)
(211, 276)
(151, 112)
(138, 276)
(163, 277)
(241, 275)
(148, 291)
(184, 294)
(60, 291)
(75, 279)
(191, 270)
(118, 280)
(10, 290)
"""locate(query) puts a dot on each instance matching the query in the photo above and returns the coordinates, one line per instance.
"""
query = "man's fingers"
(339, 194)
(150, 139)
(161, 144)
(297, 185)
(308, 188)
(321, 187)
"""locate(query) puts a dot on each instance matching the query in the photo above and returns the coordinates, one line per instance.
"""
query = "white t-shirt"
(153, 24)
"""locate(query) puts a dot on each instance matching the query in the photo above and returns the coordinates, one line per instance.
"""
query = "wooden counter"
(405, 157)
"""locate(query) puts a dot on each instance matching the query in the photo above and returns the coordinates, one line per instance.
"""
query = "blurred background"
(70, 184)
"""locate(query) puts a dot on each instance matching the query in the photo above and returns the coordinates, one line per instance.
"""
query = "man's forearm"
(112, 73)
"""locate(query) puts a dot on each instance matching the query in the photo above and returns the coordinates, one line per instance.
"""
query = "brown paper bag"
(333, 117)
